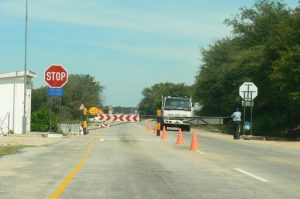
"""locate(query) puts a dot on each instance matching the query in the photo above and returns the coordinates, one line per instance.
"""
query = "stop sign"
(56, 76)
(248, 91)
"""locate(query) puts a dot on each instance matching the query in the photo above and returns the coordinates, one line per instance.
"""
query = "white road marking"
(130, 139)
(251, 175)
(101, 140)
(200, 152)
(138, 125)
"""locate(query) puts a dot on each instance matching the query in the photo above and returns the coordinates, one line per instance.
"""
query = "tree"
(39, 99)
(216, 84)
(263, 49)
(44, 120)
(79, 89)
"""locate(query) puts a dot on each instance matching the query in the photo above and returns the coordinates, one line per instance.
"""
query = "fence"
(4, 124)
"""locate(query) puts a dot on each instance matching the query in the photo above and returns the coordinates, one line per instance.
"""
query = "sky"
(127, 45)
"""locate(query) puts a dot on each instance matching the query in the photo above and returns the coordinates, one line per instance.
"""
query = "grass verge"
(6, 150)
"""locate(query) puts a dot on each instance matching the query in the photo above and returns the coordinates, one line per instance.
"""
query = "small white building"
(12, 102)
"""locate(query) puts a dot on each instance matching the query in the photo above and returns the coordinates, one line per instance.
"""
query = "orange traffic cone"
(148, 126)
(179, 137)
(164, 135)
(194, 144)
(155, 130)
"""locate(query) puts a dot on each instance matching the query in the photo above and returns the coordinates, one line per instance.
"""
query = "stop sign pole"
(56, 76)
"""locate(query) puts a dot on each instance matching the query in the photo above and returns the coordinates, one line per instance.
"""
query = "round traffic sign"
(56, 76)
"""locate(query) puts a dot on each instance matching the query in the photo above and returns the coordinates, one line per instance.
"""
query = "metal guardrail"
(70, 127)
(147, 117)
(194, 120)
(204, 120)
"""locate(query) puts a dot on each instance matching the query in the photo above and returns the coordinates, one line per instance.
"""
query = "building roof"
(17, 74)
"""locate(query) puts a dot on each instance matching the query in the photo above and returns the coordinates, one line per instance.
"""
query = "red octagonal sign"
(56, 76)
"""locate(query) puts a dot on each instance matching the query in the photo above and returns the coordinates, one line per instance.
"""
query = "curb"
(251, 137)
(53, 135)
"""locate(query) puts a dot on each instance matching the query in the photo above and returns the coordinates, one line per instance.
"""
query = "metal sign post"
(251, 108)
(56, 76)
(24, 129)
(244, 119)
(55, 92)
(248, 91)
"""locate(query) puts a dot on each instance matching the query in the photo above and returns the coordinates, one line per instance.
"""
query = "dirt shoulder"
(284, 144)
(28, 140)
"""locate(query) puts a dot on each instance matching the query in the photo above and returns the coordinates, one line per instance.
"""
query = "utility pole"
(25, 73)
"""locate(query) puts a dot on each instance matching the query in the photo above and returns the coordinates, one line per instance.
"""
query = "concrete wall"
(12, 101)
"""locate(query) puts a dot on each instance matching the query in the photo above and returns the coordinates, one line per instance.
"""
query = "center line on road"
(251, 175)
(63, 185)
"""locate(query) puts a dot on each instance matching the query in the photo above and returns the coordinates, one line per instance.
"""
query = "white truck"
(176, 112)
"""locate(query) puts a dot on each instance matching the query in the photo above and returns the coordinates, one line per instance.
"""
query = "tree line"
(264, 48)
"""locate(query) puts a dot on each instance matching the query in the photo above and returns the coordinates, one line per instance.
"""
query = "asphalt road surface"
(126, 161)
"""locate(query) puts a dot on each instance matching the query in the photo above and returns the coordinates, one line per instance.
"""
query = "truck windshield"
(178, 104)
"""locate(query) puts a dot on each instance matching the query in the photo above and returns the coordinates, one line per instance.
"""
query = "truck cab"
(176, 111)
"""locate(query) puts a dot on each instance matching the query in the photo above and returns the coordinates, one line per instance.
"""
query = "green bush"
(270, 124)
(40, 121)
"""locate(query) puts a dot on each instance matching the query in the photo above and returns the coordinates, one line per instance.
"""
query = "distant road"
(125, 161)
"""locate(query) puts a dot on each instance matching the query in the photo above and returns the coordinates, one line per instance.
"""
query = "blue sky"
(126, 45)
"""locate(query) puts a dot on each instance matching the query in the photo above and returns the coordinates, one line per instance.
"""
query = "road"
(125, 161)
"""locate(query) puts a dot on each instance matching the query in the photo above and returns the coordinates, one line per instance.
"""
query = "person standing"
(110, 109)
(236, 117)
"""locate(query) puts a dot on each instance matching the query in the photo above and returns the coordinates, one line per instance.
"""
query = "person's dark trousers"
(236, 134)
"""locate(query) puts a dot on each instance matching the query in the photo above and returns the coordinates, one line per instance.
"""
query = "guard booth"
(12, 102)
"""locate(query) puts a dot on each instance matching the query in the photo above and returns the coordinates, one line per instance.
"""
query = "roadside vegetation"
(6, 150)
(264, 48)
(79, 89)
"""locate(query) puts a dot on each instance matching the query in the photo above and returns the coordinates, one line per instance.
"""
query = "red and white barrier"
(104, 125)
(117, 118)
